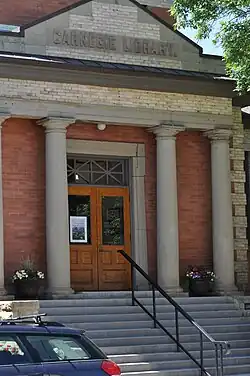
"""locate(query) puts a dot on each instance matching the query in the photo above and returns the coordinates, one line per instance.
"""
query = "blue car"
(39, 348)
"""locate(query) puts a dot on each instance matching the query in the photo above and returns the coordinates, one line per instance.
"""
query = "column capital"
(219, 134)
(55, 124)
(3, 116)
(166, 131)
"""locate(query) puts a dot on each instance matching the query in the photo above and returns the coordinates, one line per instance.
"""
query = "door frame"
(137, 155)
(96, 247)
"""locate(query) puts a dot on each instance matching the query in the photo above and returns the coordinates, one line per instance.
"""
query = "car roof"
(36, 329)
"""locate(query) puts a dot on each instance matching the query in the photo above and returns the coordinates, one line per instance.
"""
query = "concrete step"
(194, 371)
(159, 339)
(148, 323)
(187, 363)
(105, 310)
(154, 357)
(74, 310)
(211, 329)
(105, 295)
(99, 302)
(136, 315)
(127, 294)
(111, 349)
(137, 332)
(126, 333)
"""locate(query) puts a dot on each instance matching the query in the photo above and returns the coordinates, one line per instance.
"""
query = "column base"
(141, 284)
(4, 296)
(3, 292)
(59, 292)
(227, 289)
(175, 291)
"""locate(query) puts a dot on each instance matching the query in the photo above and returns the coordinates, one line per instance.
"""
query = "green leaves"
(233, 34)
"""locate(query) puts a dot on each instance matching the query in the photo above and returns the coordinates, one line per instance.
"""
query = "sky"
(207, 45)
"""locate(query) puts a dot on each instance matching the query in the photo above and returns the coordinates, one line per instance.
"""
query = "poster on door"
(78, 230)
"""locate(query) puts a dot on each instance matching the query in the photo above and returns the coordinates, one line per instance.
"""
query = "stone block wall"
(56, 92)
(239, 201)
(118, 20)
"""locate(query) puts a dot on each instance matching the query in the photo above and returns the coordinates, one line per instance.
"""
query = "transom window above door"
(88, 171)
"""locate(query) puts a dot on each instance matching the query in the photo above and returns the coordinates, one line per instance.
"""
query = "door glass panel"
(112, 220)
(79, 206)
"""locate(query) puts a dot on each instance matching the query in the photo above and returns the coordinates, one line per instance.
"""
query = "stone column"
(3, 117)
(57, 228)
(138, 219)
(167, 209)
(223, 244)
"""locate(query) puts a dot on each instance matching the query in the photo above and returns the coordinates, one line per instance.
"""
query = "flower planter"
(27, 281)
(200, 287)
(27, 289)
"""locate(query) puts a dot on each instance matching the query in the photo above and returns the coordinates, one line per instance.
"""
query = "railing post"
(154, 306)
(177, 329)
(216, 359)
(201, 354)
(221, 360)
(132, 284)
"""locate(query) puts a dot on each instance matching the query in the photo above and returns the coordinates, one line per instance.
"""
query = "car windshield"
(58, 347)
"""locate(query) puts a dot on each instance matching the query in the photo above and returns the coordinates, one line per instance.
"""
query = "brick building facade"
(143, 120)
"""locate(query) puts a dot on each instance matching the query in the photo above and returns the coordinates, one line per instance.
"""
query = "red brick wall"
(22, 12)
(23, 192)
(137, 135)
(164, 14)
(194, 196)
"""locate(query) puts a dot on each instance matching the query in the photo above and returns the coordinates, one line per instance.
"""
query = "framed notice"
(78, 230)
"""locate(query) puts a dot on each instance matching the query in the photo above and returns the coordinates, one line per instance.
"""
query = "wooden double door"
(99, 221)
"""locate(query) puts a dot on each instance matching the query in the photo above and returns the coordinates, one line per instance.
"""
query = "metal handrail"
(219, 346)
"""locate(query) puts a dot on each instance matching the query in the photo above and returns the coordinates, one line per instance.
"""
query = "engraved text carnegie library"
(98, 41)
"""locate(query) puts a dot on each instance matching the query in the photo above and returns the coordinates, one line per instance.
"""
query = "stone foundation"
(17, 308)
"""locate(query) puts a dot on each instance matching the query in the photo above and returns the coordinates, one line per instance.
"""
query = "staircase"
(127, 334)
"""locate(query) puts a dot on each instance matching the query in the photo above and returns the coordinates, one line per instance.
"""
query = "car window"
(12, 351)
(58, 348)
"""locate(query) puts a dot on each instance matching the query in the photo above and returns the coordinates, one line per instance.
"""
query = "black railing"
(220, 347)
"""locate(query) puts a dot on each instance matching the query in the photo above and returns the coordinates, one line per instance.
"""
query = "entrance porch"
(101, 254)
(153, 176)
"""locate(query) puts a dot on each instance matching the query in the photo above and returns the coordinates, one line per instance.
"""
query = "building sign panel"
(70, 38)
